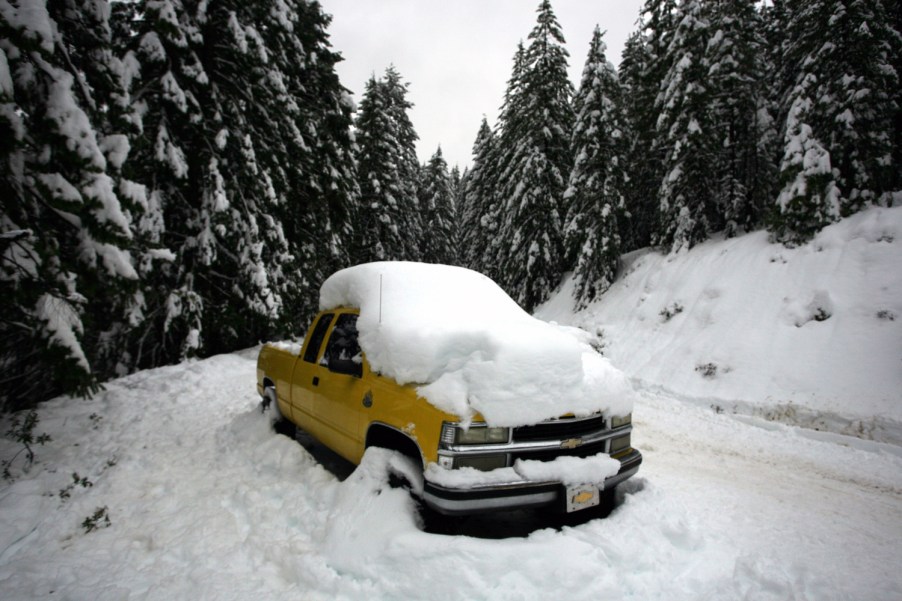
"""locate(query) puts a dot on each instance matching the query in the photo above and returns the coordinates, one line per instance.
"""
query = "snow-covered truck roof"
(470, 348)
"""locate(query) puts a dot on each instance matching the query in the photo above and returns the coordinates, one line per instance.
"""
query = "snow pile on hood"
(470, 347)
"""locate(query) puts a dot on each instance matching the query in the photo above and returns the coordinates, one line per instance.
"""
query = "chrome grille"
(587, 450)
(560, 429)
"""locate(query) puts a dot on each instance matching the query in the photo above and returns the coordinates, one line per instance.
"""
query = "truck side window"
(316, 338)
(343, 353)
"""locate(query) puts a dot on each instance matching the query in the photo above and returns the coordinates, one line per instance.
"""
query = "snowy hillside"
(809, 336)
(204, 501)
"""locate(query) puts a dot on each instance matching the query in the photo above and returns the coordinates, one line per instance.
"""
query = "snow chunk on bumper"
(566, 470)
(470, 347)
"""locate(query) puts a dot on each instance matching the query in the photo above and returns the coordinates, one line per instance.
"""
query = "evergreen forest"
(178, 177)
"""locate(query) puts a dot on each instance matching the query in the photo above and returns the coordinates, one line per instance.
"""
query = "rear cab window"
(317, 336)
(343, 354)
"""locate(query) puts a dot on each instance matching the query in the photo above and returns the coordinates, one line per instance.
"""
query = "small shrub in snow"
(22, 431)
(886, 315)
(77, 480)
(819, 309)
(821, 314)
(707, 370)
(598, 343)
(99, 519)
(669, 312)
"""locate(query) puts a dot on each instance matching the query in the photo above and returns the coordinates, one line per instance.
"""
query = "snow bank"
(470, 348)
(206, 502)
(809, 336)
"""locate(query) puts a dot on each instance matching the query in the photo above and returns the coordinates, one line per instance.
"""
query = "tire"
(276, 419)
(271, 403)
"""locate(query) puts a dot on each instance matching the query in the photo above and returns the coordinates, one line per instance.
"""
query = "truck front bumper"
(514, 495)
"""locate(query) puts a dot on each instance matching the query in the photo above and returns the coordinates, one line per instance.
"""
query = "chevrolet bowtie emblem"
(571, 443)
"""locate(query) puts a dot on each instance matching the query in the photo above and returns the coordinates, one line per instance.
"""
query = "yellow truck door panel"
(340, 392)
(302, 389)
(338, 405)
(307, 371)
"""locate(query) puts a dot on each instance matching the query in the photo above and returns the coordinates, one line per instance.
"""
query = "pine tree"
(895, 11)
(839, 113)
(534, 176)
(475, 221)
(685, 129)
(644, 65)
(185, 163)
(407, 163)
(389, 222)
(740, 119)
(595, 192)
(169, 84)
(245, 144)
(65, 235)
(639, 217)
(503, 153)
(300, 126)
(779, 75)
(810, 198)
(241, 288)
(457, 179)
(439, 215)
(859, 99)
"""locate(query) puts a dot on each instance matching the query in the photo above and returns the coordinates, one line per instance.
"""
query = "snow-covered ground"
(205, 501)
(808, 336)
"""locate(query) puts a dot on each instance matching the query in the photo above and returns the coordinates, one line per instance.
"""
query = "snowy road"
(206, 502)
(792, 517)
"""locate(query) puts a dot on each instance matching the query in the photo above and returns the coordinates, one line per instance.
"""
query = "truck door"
(340, 396)
(306, 372)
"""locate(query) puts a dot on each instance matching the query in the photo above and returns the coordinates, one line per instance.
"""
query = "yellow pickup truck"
(329, 388)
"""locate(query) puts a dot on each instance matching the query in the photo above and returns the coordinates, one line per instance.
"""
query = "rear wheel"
(276, 419)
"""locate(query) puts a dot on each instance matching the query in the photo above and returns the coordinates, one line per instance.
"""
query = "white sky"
(457, 54)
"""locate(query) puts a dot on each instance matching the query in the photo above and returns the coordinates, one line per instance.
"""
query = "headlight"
(475, 434)
(616, 422)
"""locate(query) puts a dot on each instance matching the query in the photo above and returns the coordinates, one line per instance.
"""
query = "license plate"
(582, 496)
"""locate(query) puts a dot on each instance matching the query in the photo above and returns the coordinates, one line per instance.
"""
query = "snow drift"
(470, 347)
(810, 336)
(206, 502)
